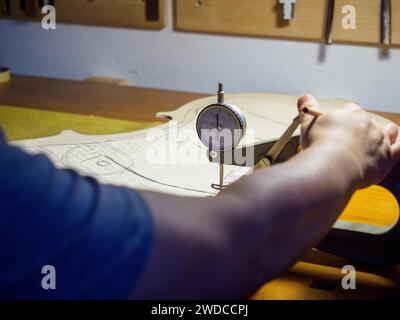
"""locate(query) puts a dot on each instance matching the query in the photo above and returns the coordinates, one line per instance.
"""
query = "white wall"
(196, 62)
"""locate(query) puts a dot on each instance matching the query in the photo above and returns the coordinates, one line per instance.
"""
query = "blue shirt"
(97, 237)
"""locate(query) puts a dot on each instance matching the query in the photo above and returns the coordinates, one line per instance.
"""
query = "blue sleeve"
(97, 237)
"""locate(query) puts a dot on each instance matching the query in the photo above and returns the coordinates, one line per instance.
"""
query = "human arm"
(227, 246)
(97, 237)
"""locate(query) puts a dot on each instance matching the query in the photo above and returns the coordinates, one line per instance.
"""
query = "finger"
(396, 152)
(307, 101)
(391, 132)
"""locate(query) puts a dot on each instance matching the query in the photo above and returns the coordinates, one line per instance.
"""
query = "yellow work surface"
(374, 206)
(25, 123)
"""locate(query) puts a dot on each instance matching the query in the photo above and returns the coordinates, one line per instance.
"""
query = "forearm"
(228, 245)
(284, 210)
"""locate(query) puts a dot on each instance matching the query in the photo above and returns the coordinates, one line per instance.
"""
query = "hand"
(371, 150)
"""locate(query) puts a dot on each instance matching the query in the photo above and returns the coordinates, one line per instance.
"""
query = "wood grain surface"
(263, 18)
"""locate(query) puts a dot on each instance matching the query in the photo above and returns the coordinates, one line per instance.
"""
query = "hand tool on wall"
(329, 22)
(152, 10)
(288, 7)
(5, 7)
(22, 5)
(43, 3)
(386, 13)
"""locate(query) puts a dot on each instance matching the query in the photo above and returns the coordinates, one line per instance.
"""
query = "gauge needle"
(218, 128)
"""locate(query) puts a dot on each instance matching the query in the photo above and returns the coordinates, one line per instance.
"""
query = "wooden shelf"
(253, 17)
(368, 22)
(264, 18)
(113, 13)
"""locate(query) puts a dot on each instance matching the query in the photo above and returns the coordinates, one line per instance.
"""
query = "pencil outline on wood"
(128, 167)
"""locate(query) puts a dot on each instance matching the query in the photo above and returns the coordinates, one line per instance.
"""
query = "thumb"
(307, 101)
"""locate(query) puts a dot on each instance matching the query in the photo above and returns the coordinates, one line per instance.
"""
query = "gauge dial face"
(221, 126)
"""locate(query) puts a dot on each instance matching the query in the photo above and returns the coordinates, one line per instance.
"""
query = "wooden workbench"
(141, 104)
(101, 99)
(91, 98)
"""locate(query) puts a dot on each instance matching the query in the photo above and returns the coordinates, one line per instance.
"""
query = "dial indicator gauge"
(221, 126)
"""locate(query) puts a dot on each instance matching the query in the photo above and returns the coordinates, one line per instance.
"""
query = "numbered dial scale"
(221, 126)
